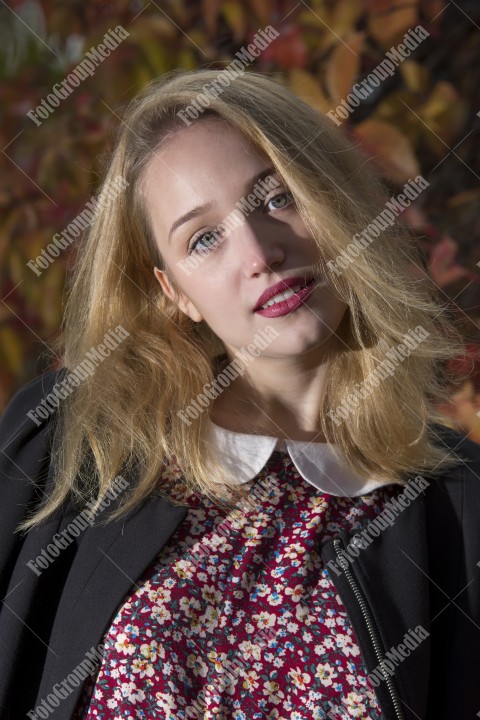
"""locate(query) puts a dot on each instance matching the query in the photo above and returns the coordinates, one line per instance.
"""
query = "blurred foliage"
(422, 119)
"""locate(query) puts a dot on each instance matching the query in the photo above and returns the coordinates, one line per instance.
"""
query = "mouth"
(285, 294)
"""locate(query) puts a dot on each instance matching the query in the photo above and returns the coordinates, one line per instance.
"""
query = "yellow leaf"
(18, 270)
(305, 86)
(389, 148)
(11, 348)
(318, 19)
(414, 75)
(345, 14)
(142, 75)
(186, 60)
(444, 115)
(152, 24)
(234, 16)
(156, 54)
(49, 308)
(395, 110)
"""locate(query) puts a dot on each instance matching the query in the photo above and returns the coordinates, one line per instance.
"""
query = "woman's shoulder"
(460, 485)
(459, 446)
(35, 388)
(29, 414)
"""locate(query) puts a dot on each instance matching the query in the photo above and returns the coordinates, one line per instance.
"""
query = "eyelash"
(196, 238)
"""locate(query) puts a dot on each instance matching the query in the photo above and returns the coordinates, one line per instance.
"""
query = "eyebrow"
(194, 212)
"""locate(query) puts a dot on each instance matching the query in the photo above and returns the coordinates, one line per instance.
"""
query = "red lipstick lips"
(305, 288)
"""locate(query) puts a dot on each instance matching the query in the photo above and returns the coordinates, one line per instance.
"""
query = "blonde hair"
(124, 415)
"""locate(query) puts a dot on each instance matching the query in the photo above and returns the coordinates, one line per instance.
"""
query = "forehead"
(207, 161)
(202, 148)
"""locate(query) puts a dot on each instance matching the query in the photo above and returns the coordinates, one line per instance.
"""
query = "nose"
(259, 246)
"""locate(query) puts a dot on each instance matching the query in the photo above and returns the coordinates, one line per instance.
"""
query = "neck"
(276, 396)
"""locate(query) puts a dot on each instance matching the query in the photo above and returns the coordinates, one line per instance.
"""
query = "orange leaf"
(344, 66)
(262, 9)
(388, 22)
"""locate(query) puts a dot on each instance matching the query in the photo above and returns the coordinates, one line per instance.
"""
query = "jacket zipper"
(372, 630)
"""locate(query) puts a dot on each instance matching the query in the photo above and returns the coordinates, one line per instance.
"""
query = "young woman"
(236, 499)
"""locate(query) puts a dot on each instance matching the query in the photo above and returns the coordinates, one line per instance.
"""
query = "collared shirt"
(244, 455)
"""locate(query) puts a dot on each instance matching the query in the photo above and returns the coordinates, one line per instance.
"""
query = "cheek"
(329, 296)
(213, 299)
(331, 310)
(300, 229)
(333, 314)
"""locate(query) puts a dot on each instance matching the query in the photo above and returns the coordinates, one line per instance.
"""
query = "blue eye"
(208, 243)
(285, 194)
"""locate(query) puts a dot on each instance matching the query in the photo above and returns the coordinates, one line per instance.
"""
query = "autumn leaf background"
(423, 119)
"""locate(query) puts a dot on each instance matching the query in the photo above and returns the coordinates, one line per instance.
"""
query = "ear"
(181, 300)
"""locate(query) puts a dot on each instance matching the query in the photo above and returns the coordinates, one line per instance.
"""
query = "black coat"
(423, 570)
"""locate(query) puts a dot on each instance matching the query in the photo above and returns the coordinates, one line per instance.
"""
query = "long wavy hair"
(124, 415)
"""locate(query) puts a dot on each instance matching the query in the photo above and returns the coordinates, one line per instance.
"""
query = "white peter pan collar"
(244, 455)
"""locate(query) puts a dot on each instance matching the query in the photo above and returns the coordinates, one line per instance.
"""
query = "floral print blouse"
(237, 618)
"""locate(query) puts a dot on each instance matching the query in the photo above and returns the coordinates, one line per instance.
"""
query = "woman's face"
(221, 278)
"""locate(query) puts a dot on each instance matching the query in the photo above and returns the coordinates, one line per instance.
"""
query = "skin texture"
(210, 161)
